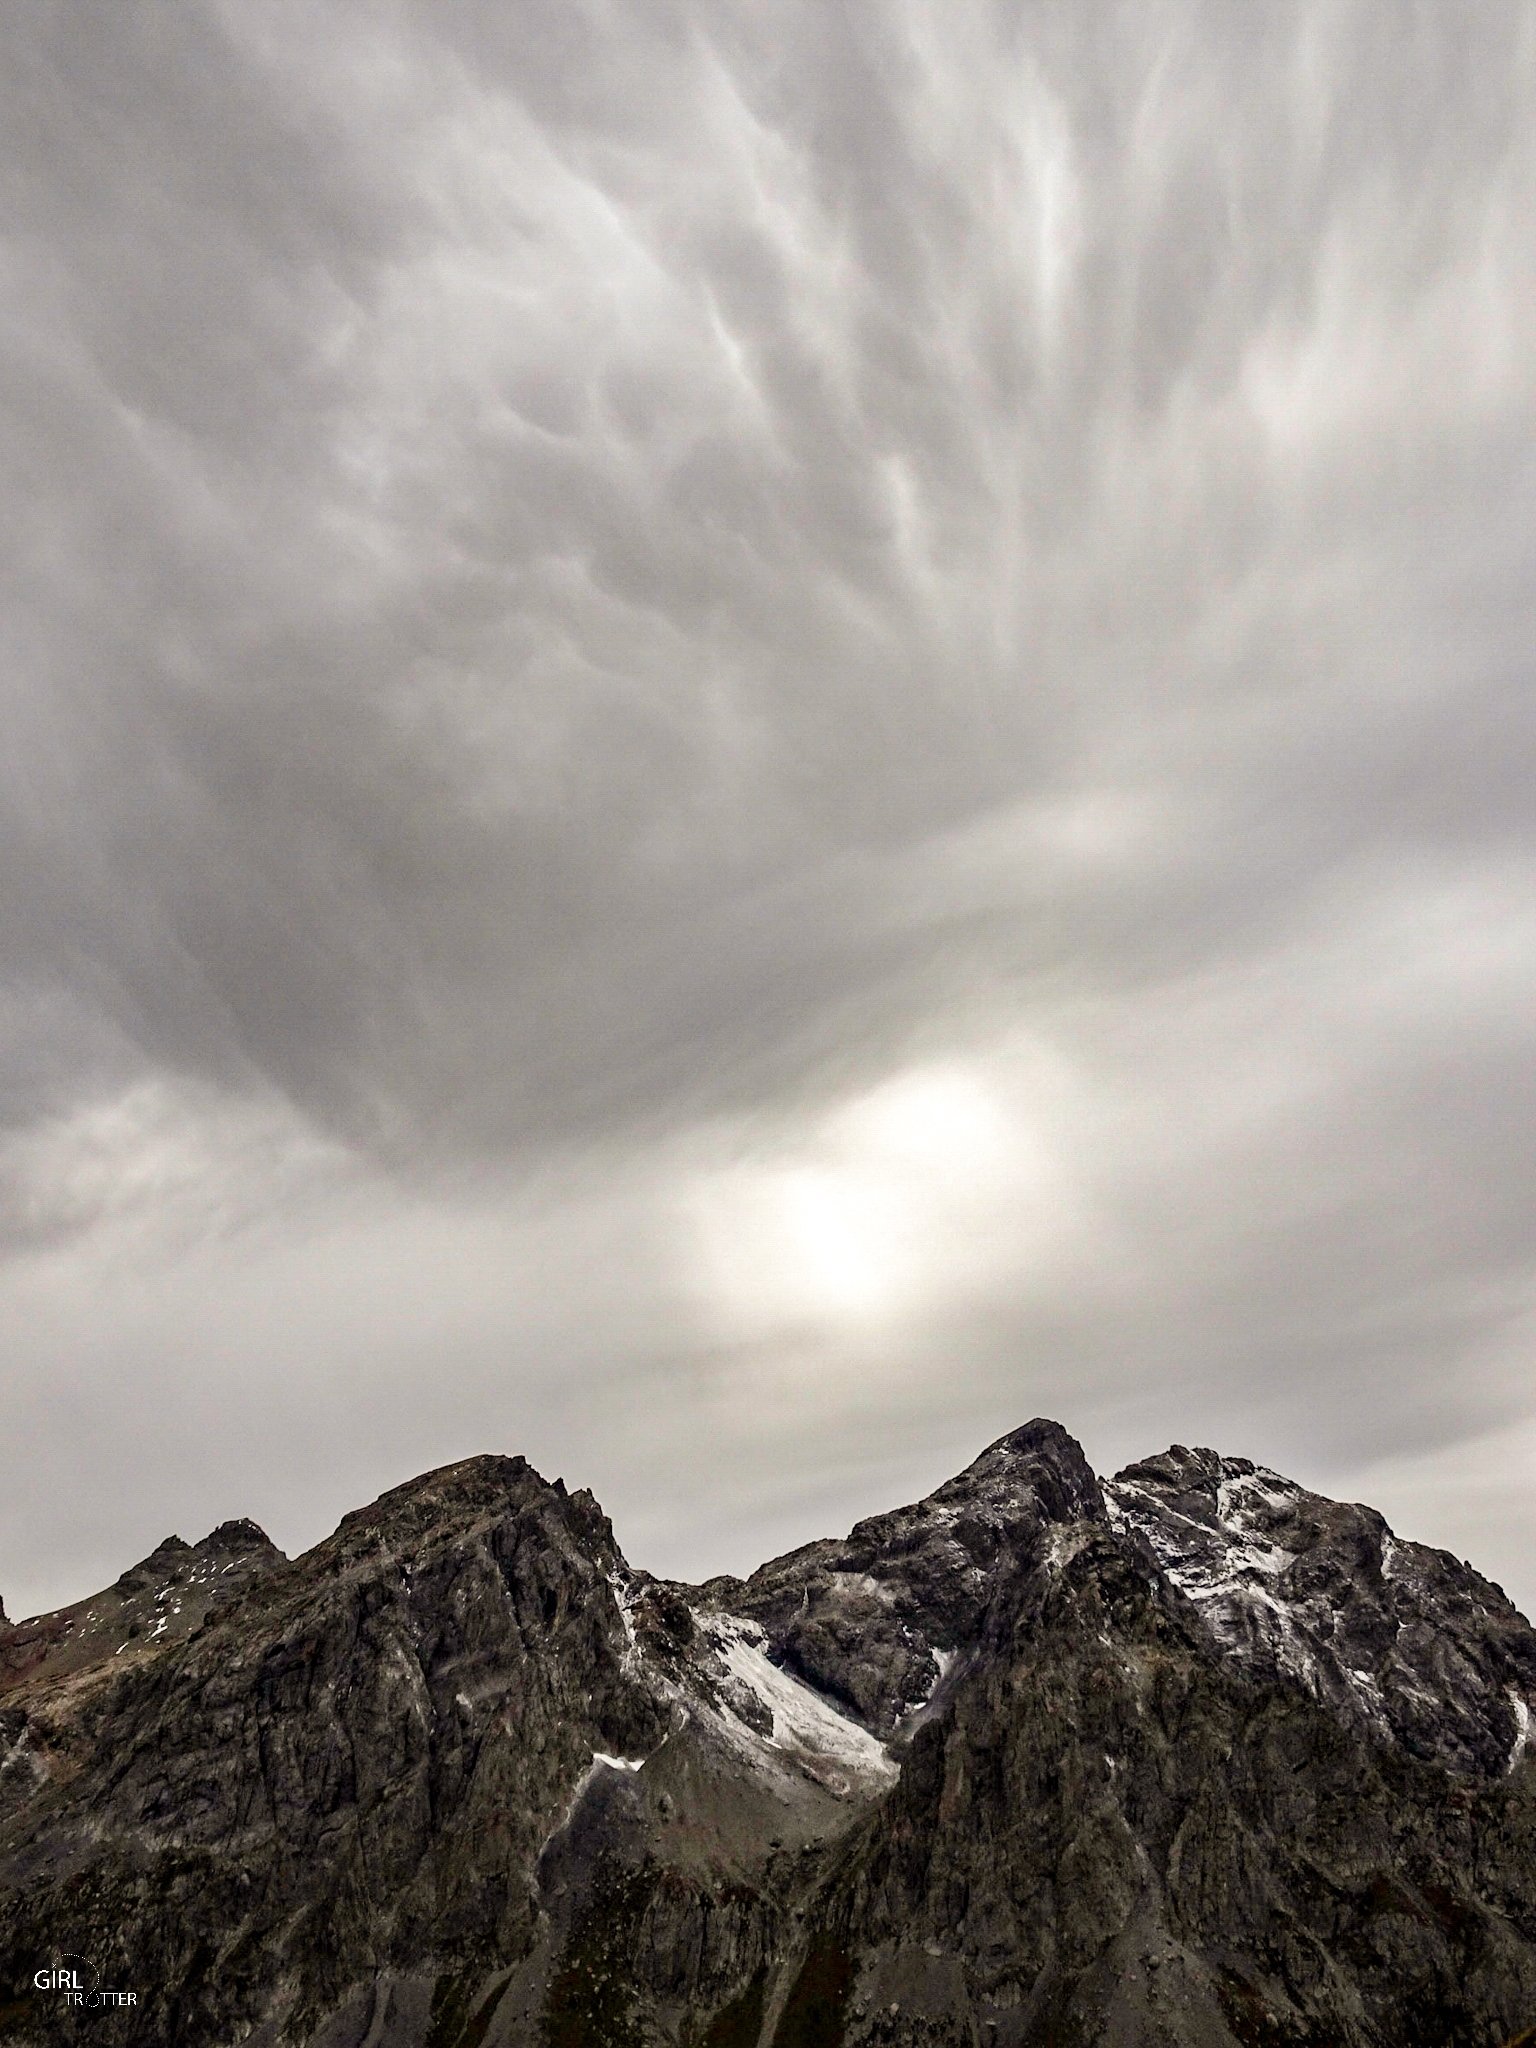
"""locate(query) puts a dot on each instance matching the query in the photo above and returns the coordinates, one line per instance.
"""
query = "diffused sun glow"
(839, 1235)
(879, 1205)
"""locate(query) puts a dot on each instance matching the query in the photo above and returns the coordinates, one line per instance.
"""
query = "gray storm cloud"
(736, 746)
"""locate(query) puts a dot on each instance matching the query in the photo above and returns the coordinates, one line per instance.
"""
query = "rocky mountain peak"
(240, 1537)
(1040, 1463)
(487, 1483)
(875, 1621)
(157, 1602)
(1398, 1637)
(435, 1514)
(1190, 1758)
(164, 1562)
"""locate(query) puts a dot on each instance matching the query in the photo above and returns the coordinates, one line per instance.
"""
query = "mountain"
(1189, 1758)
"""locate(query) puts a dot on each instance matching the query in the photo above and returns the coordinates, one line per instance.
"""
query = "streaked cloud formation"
(739, 744)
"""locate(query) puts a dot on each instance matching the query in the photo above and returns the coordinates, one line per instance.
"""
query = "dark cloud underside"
(737, 743)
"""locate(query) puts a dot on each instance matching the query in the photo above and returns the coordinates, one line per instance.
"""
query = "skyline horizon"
(733, 747)
(694, 1546)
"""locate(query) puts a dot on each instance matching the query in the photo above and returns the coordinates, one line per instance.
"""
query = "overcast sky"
(740, 741)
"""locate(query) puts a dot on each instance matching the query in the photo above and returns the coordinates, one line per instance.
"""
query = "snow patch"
(601, 1761)
(916, 1709)
(807, 1729)
(845, 1583)
(1232, 1572)
(625, 1599)
(1522, 1729)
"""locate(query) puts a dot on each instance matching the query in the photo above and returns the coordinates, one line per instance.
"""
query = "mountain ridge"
(1187, 1758)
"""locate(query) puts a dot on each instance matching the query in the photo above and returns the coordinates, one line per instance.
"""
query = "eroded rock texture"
(1189, 1759)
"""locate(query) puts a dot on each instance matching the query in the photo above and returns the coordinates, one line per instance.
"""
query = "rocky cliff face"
(1189, 1759)
(1392, 1636)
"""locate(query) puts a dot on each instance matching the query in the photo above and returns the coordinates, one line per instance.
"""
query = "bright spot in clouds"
(739, 743)
(892, 1201)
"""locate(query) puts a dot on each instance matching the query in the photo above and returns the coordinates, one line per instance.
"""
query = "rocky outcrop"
(1113, 1836)
(1393, 1636)
(155, 1603)
(875, 1620)
(1189, 1759)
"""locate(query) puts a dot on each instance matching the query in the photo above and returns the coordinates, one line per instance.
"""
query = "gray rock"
(1193, 1758)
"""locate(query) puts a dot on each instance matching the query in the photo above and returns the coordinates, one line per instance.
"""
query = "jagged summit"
(1190, 1758)
(173, 1561)
(239, 1535)
(438, 1506)
(157, 1602)
(1401, 1638)
(874, 1620)
(482, 1481)
(1040, 1458)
